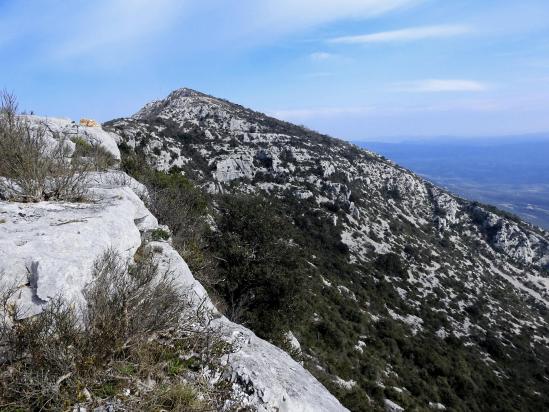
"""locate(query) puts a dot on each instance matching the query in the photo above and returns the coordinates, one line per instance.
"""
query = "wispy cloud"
(314, 75)
(251, 22)
(115, 26)
(321, 56)
(115, 32)
(302, 114)
(440, 85)
(106, 31)
(404, 35)
(467, 105)
(300, 13)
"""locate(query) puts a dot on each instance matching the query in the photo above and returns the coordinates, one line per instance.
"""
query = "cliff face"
(446, 270)
(47, 249)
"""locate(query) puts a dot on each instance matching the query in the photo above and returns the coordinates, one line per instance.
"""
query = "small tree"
(260, 266)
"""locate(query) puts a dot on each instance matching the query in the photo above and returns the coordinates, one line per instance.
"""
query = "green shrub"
(136, 325)
(391, 264)
(160, 234)
(261, 265)
(99, 157)
(177, 203)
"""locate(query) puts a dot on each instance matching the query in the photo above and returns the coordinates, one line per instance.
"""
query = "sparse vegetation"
(96, 155)
(32, 168)
(180, 205)
(120, 350)
(37, 164)
(160, 234)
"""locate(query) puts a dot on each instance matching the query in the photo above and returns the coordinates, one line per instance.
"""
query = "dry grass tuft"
(138, 345)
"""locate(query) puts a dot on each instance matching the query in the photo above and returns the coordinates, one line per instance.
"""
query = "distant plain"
(511, 173)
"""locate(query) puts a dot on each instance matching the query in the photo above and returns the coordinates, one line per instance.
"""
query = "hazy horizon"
(449, 139)
(510, 174)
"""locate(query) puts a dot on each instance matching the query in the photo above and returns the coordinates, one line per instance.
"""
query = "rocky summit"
(416, 299)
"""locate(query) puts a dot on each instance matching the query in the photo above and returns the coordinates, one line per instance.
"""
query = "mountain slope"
(417, 297)
(49, 251)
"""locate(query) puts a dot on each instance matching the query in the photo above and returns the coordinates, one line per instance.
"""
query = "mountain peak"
(188, 108)
(185, 92)
(176, 101)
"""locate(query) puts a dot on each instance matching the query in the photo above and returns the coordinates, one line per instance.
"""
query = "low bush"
(98, 157)
(391, 264)
(180, 205)
(34, 167)
(160, 234)
(128, 303)
(130, 348)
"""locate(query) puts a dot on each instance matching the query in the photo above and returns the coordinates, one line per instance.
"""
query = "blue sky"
(357, 69)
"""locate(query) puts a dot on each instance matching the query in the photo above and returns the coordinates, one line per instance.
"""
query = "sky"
(355, 69)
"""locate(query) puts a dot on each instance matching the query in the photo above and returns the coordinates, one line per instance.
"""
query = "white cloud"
(254, 21)
(115, 32)
(321, 56)
(440, 85)
(403, 35)
(301, 13)
(102, 30)
(115, 26)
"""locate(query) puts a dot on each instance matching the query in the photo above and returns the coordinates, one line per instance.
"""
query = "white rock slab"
(69, 129)
(55, 244)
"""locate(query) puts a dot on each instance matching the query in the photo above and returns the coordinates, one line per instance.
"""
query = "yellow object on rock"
(89, 123)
